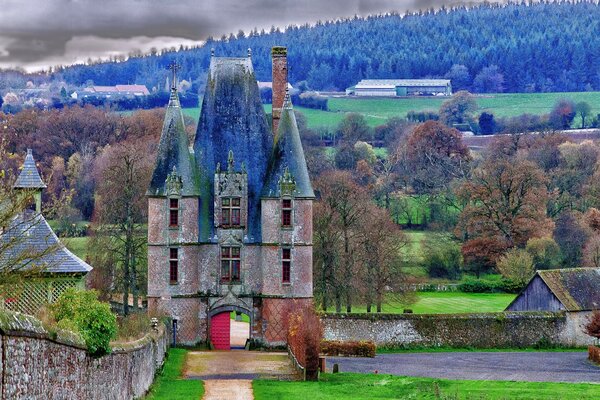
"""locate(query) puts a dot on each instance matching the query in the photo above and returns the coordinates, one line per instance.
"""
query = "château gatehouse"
(230, 219)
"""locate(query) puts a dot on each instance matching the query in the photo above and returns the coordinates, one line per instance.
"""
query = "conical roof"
(288, 158)
(174, 154)
(233, 119)
(29, 178)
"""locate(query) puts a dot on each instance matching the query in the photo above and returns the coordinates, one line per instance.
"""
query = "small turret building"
(230, 218)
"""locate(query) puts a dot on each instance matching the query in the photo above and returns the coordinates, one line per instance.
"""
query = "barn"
(401, 87)
(573, 290)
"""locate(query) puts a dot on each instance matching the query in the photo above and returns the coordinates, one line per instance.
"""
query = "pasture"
(378, 110)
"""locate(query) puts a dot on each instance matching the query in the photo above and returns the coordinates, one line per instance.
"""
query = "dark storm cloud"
(37, 33)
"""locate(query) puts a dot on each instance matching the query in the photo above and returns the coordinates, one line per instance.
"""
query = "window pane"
(235, 218)
(287, 204)
(225, 218)
(173, 217)
(225, 252)
(286, 254)
(173, 254)
(225, 201)
(225, 270)
(235, 270)
(174, 203)
(286, 217)
(286, 271)
(235, 252)
(235, 202)
(173, 271)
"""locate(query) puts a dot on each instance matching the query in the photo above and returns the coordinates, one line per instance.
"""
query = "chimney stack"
(280, 82)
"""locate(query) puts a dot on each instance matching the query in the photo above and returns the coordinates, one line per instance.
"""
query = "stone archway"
(220, 326)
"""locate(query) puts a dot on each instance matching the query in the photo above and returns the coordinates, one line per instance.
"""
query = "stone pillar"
(280, 82)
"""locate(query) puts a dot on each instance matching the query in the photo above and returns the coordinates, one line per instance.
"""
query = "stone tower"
(230, 222)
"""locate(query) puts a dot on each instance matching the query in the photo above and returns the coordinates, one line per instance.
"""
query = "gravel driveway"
(510, 366)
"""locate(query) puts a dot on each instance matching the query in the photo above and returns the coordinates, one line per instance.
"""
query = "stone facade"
(38, 366)
(221, 218)
(484, 330)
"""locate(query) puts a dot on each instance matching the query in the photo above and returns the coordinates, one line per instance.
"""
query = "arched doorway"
(230, 327)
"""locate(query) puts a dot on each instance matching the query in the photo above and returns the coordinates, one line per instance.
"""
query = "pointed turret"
(287, 167)
(174, 155)
(30, 178)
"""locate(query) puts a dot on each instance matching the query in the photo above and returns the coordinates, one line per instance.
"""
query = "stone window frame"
(287, 211)
(231, 208)
(174, 212)
(173, 265)
(286, 263)
(230, 259)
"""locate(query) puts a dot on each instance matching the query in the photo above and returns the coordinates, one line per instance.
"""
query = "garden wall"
(35, 364)
(481, 330)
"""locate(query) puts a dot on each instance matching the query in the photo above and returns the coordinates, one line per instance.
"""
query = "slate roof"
(392, 83)
(29, 178)
(29, 233)
(174, 152)
(232, 118)
(288, 153)
(578, 289)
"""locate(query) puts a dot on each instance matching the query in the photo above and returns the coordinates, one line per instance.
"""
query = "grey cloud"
(35, 33)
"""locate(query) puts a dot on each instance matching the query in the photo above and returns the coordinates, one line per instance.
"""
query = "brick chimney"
(280, 82)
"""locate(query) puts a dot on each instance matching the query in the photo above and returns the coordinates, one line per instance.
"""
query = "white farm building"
(401, 87)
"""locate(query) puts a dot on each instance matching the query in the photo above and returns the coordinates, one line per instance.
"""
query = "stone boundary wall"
(481, 330)
(36, 364)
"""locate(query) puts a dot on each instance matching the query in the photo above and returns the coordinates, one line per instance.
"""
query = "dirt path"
(238, 364)
(230, 389)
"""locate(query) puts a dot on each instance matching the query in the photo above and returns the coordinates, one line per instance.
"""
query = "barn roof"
(33, 244)
(29, 178)
(578, 289)
(288, 157)
(393, 83)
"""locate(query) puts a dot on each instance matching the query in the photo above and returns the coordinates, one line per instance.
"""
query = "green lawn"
(447, 303)
(170, 386)
(77, 245)
(371, 386)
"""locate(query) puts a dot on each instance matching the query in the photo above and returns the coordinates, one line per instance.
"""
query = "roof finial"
(174, 67)
(230, 161)
(287, 102)
(212, 52)
(249, 52)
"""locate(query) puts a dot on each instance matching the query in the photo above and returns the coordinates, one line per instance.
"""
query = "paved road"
(509, 366)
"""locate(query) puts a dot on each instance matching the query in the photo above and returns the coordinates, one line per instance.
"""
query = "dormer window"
(286, 213)
(230, 212)
(230, 264)
(173, 213)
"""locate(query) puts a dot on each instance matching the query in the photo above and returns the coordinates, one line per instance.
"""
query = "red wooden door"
(220, 332)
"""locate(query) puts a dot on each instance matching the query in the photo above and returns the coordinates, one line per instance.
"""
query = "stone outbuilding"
(230, 219)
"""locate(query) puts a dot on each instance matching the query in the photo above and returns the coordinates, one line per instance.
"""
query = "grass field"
(447, 303)
(371, 386)
(77, 245)
(170, 386)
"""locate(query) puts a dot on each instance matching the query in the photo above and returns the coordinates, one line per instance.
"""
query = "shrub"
(80, 310)
(361, 348)
(516, 264)
(594, 354)
(304, 336)
(477, 286)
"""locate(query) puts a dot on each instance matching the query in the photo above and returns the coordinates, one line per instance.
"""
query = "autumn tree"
(545, 252)
(435, 155)
(353, 128)
(459, 109)
(583, 109)
(571, 235)
(506, 202)
(381, 244)
(562, 114)
(123, 173)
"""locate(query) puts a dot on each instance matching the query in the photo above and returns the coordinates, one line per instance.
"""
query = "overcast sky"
(36, 34)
